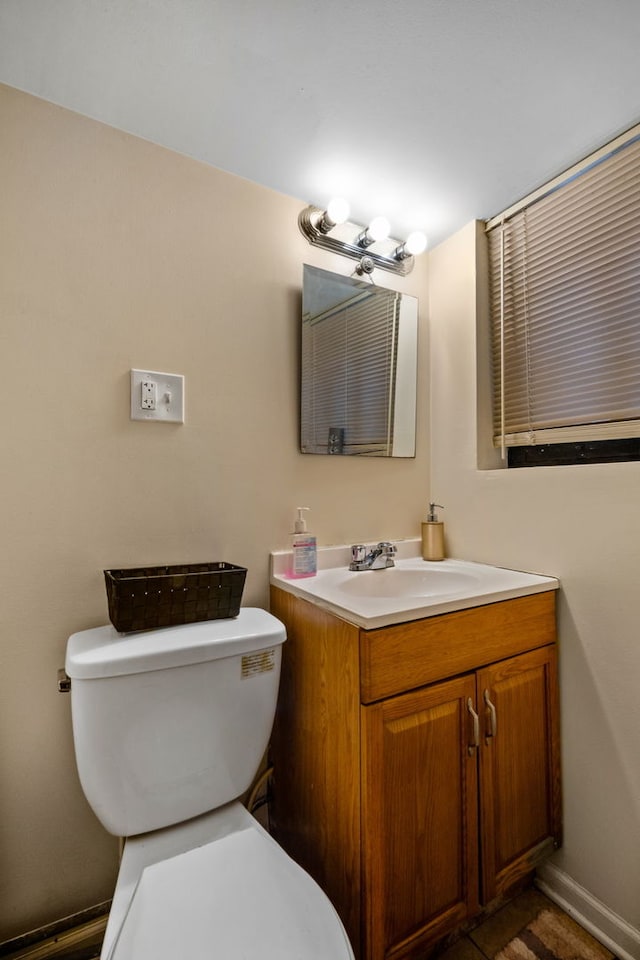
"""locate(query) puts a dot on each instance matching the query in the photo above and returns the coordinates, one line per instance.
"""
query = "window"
(565, 309)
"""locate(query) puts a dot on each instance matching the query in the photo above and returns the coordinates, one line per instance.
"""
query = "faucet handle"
(388, 548)
(358, 552)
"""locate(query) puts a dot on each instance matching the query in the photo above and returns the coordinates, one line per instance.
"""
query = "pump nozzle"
(433, 517)
(300, 526)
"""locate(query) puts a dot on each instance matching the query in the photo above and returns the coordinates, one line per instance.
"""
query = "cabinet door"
(419, 824)
(519, 767)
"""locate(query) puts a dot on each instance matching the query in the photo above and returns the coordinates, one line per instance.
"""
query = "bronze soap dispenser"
(433, 535)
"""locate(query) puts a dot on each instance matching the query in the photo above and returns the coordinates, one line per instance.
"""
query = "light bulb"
(416, 243)
(379, 228)
(338, 210)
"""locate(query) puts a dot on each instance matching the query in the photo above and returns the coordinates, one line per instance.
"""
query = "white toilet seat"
(238, 897)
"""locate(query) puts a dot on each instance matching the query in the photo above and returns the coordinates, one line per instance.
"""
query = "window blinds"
(349, 353)
(565, 309)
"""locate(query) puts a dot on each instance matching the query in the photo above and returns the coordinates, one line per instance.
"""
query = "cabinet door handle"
(476, 728)
(493, 721)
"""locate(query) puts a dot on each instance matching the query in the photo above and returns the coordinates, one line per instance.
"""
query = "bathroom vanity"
(417, 766)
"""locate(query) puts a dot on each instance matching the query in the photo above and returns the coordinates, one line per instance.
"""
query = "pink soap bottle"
(304, 561)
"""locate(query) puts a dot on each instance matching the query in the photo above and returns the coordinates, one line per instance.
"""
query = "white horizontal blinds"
(570, 309)
(351, 358)
(323, 399)
(371, 338)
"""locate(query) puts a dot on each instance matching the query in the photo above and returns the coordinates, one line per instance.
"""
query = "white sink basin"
(412, 589)
(402, 582)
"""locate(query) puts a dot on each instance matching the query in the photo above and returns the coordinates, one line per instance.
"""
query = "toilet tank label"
(261, 662)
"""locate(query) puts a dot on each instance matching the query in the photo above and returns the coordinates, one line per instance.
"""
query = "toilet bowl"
(169, 728)
(233, 894)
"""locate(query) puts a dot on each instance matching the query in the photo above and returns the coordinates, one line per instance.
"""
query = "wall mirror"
(358, 369)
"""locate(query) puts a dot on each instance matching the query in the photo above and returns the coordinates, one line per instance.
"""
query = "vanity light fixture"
(332, 230)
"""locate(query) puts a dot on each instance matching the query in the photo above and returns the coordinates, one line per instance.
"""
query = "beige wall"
(581, 524)
(115, 253)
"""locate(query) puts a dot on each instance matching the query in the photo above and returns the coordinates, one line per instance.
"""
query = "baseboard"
(61, 937)
(606, 926)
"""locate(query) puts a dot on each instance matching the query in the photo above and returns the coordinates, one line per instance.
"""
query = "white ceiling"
(433, 112)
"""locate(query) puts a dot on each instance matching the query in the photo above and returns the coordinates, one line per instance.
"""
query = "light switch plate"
(157, 396)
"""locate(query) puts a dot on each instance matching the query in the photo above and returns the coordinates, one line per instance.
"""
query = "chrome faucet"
(378, 557)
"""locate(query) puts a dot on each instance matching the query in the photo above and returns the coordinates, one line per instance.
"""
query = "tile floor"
(493, 934)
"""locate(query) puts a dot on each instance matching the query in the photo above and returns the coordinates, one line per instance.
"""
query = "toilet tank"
(172, 723)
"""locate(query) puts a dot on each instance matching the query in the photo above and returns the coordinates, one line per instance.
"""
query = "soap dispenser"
(433, 535)
(304, 562)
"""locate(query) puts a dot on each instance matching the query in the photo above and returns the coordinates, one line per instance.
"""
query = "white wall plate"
(157, 396)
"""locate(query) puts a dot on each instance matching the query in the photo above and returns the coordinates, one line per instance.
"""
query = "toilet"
(169, 728)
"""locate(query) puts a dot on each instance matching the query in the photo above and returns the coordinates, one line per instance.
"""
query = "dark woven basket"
(141, 598)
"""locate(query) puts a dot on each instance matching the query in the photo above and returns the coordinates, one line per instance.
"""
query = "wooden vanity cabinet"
(417, 772)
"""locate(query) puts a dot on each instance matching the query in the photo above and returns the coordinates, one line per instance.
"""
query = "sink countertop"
(413, 589)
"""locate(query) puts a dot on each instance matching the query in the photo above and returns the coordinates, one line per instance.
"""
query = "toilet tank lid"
(103, 652)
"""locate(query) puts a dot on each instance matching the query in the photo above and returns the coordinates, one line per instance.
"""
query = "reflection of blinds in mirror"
(348, 377)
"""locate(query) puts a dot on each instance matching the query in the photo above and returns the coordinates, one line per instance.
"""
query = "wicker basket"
(142, 598)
